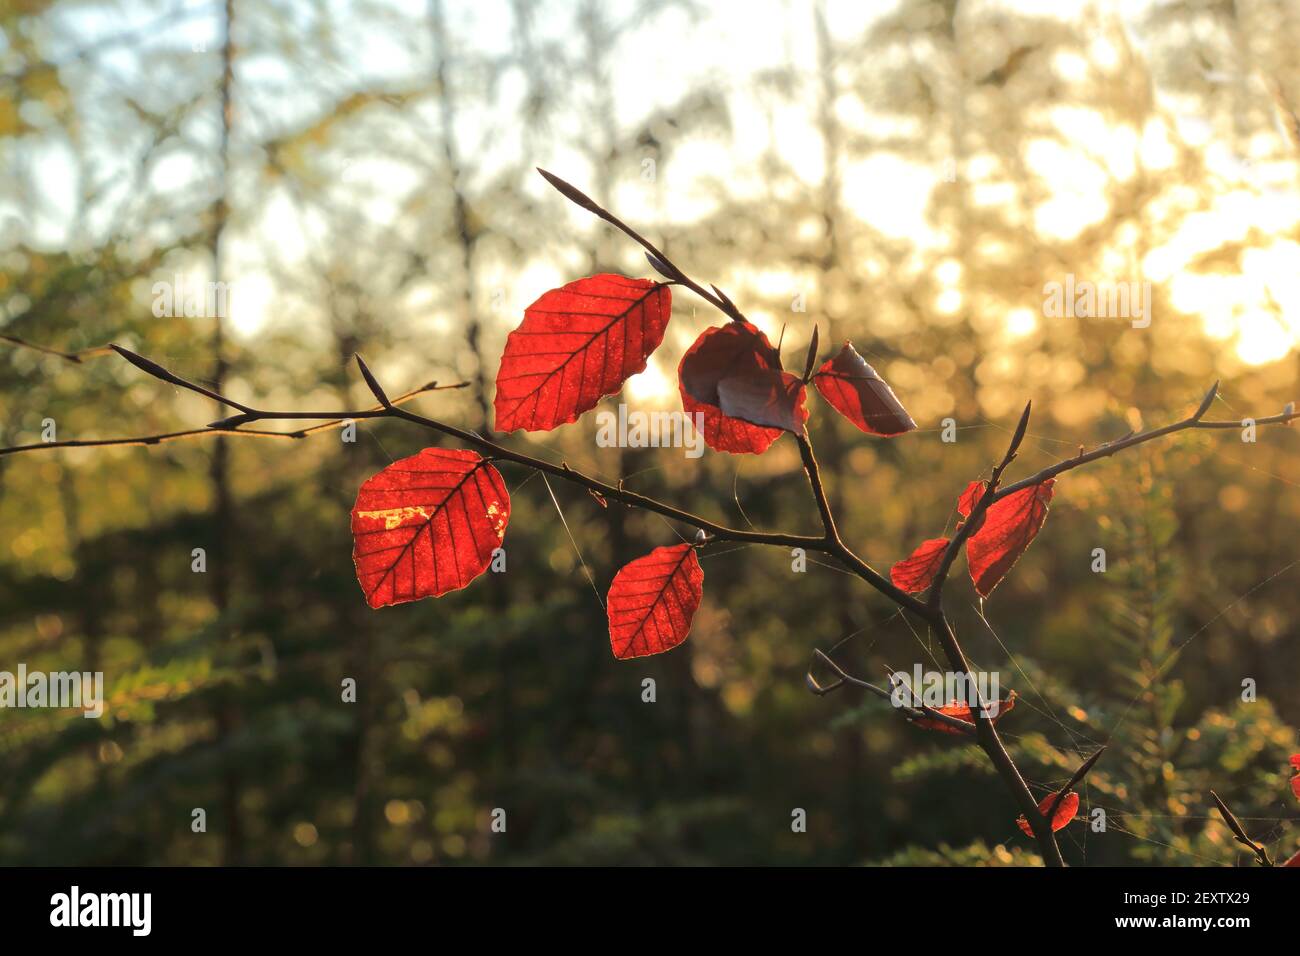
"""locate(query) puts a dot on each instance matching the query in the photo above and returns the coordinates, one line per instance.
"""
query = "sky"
(1253, 195)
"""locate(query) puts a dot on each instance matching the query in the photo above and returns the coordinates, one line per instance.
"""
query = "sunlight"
(653, 387)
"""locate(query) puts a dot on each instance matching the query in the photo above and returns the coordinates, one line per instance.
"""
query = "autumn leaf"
(426, 525)
(1294, 861)
(914, 573)
(1064, 813)
(576, 345)
(963, 712)
(1295, 781)
(1010, 524)
(970, 498)
(729, 353)
(856, 391)
(652, 600)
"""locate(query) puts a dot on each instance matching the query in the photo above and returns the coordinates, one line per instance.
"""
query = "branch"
(248, 415)
(658, 260)
(230, 431)
(976, 516)
(832, 543)
(1075, 780)
(917, 712)
(811, 468)
(1192, 421)
(993, 493)
(74, 357)
(1239, 832)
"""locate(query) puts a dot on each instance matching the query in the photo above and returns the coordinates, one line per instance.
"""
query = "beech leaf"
(1010, 524)
(652, 601)
(726, 352)
(1064, 813)
(915, 573)
(856, 391)
(970, 498)
(426, 525)
(576, 345)
(960, 711)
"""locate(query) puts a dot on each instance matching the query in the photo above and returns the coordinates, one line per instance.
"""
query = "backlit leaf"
(914, 573)
(962, 712)
(576, 345)
(730, 351)
(1064, 813)
(1010, 524)
(970, 498)
(426, 525)
(856, 391)
(652, 601)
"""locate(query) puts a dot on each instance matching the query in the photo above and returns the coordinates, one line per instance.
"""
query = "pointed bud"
(725, 299)
(1206, 402)
(372, 383)
(661, 267)
(571, 193)
(1019, 436)
(812, 357)
(144, 364)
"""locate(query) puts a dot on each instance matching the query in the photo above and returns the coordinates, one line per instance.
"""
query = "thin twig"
(917, 711)
(1193, 421)
(1239, 831)
(73, 357)
(165, 437)
(660, 261)
(1075, 780)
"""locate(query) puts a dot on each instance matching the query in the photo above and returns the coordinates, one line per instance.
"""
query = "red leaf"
(1294, 861)
(652, 601)
(1295, 781)
(730, 351)
(426, 525)
(576, 345)
(1064, 813)
(765, 397)
(962, 712)
(1009, 526)
(970, 498)
(856, 391)
(914, 573)
(1295, 762)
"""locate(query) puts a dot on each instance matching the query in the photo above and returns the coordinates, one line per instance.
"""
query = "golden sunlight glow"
(652, 387)
(1250, 198)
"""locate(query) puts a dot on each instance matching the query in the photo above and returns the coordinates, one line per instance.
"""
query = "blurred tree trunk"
(224, 513)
